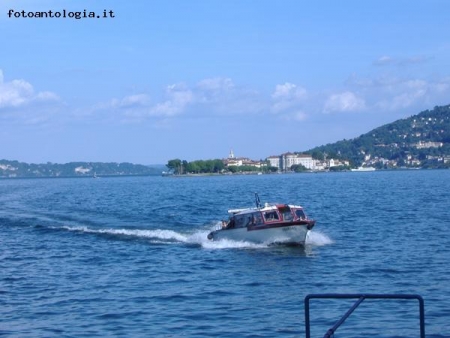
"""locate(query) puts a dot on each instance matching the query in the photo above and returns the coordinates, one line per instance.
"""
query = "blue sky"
(194, 79)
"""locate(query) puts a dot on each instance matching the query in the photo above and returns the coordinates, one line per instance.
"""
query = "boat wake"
(197, 238)
(317, 238)
(158, 235)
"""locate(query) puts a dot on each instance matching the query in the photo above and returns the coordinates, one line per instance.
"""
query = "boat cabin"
(280, 213)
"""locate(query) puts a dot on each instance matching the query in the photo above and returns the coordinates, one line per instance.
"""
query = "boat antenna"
(257, 201)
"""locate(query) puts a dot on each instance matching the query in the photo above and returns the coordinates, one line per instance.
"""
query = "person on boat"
(230, 224)
(258, 220)
(227, 225)
(251, 221)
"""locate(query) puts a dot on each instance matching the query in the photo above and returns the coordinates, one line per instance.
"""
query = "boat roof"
(266, 207)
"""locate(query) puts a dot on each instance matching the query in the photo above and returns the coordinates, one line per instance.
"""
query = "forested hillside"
(73, 169)
(422, 140)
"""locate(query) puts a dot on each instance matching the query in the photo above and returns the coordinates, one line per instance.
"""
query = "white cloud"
(133, 106)
(214, 90)
(137, 107)
(287, 96)
(383, 93)
(404, 94)
(388, 60)
(20, 103)
(384, 60)
(17, 93)
(221, 97)
(137, 100)
(211, 96)
(344, 102)
(178, 98)
(47, 96)
(442, 86)
(215, 84)
(388, 92)
(289, 91)
(298, 116)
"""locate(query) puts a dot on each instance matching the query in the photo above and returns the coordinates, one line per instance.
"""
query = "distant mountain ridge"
(422, 140)
(74, 169)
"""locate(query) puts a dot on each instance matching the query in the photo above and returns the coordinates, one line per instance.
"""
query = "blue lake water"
(129, 256)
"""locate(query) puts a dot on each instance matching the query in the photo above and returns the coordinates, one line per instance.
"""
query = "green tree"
(174, 165)
(298, 168)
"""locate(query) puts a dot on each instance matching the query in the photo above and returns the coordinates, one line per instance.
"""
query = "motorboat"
(268, 223)
(364, 169)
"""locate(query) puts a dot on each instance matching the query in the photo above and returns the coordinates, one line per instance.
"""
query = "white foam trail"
(316, 238)
(201, 238)
(160, 234)
(227, 244)
(169, 236)
(197, 238)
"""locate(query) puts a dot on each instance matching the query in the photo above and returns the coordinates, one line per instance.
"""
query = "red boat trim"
(309, 225)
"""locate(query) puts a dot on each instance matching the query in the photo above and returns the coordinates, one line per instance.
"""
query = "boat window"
(243, 220)
(271, 216)
(239, 221)
(257, 218)
(300, 214)
(285, 212)
(287, 216)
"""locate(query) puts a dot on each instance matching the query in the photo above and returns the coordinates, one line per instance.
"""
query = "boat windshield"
(287, 216)
(285, 212)
(300, 214)
(241, 220)
(244, 220)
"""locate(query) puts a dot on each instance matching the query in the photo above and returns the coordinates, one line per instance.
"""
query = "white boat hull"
(364, 169)
(289, 234)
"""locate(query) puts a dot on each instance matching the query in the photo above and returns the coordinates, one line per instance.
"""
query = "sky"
(157, 80)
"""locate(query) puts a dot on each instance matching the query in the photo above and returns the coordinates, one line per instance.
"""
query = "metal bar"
(361, 297)
(422, 316)
(307, 327)
(331, 331)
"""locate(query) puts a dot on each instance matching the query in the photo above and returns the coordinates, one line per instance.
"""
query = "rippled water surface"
(129, 256)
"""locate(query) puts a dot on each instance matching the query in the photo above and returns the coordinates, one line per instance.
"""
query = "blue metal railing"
(360, 298)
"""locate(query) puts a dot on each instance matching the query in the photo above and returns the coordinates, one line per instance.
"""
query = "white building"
(423, 145)
(274, 161)
(287, 160)
(241, 161)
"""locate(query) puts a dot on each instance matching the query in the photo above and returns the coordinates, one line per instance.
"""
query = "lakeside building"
(274, 161)
(81, 170)
(424, 145)
(285, 161)
(242, 161)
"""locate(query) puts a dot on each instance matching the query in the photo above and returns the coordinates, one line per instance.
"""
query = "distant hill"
(74, 169)
(422, 140)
